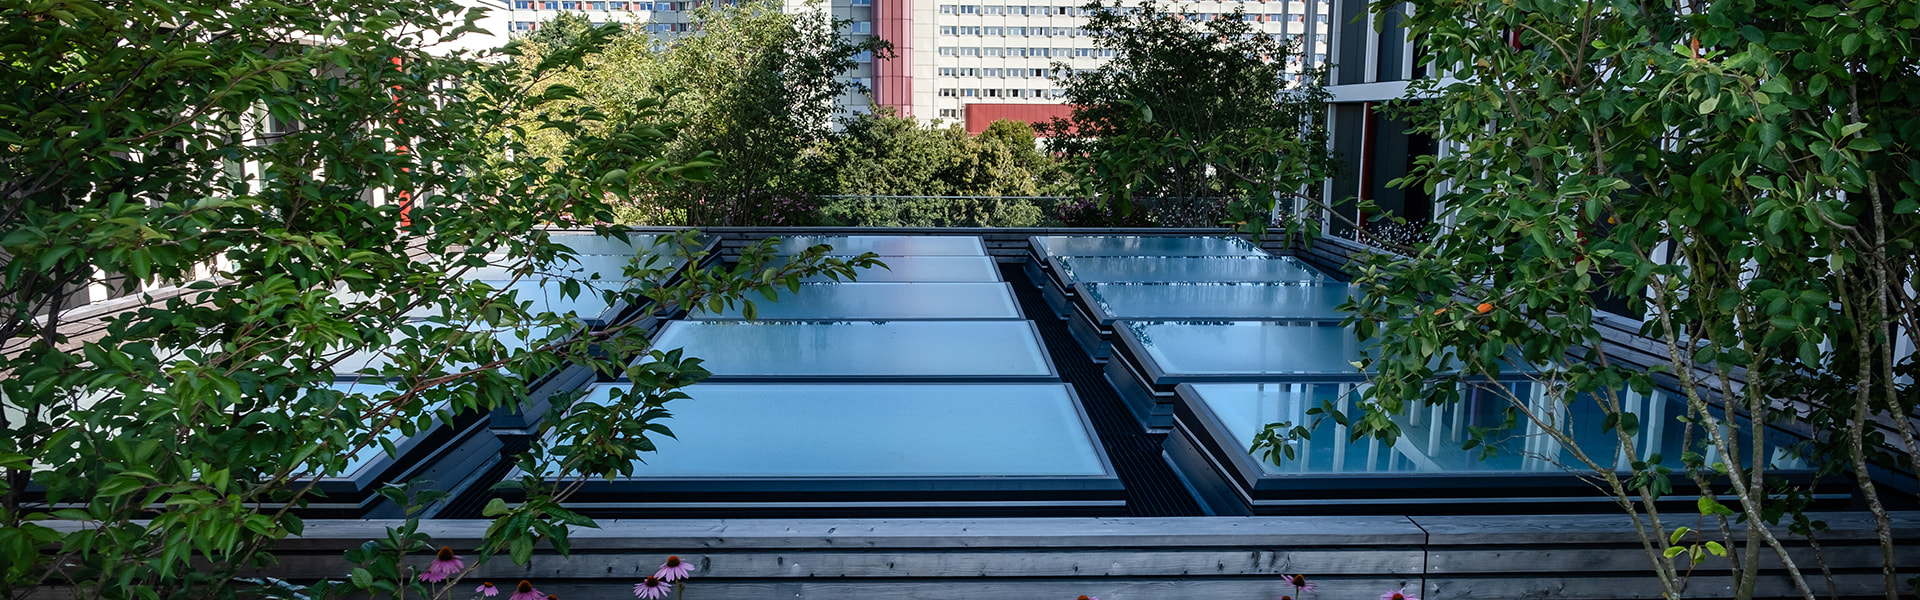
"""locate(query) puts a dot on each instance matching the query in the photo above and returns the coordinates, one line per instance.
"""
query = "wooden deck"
(1219, 558)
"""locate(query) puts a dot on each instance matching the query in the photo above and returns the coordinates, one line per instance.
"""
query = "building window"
(949, 30)
(1039, 94)
(1061, 32)
(971, 51)
(969, 72)
(996, 31)
(1017, 10)
(550, 5)
(597, 5)
(949, 72)
(569, 5)
(1063, 10)
(523, 4)
(862, 3)
(949, 51)
(863, 84)
(947, 93)
(969, 31)
(994, 51)
(996, 10)
(862, 27)
(949, 113)
(969, 9)
(1037, 52)
(1016, 31)
(996, 72)
(863, 57)
(948, 9)
(993, 92)
(522, 26)
(1037, 73)
(969, 92)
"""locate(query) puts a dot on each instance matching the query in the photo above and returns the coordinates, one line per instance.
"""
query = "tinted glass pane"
(511, 341)
(548, 296)
(1248, 347)
(364, 456)
(587, 243)
(1128, 245)
(1431, 440)
(855, 430)
(1092, 269)
(930, 269)
(1218, 300)
(848, 301)
(584, 266)
(861, 348)
(887, 245)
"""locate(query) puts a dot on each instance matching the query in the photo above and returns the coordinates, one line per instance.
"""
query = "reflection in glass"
(1431, 436)
(1120, 301)
(861, 348)
(886, 245)
(871, 430)
(883, 301)
(1242, 269)
(1130, 245)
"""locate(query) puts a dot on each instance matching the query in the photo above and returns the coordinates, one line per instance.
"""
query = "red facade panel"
(979, 116)
(893, 77)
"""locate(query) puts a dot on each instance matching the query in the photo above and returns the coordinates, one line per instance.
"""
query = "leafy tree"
(1190, 110)
(330, 174)
(755, 86)
(886, 155)
(1741, 172)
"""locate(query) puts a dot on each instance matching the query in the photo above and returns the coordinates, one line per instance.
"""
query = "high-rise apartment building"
(957, 62)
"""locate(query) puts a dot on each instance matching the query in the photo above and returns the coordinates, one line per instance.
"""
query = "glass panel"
(1248, 348)
(1129, 245)
(546, 297)
(587, 243)
(1092, 269)
(584, 266)
(1431, 437)
(846, 301)
(1219, 300)
(511, 341)
(887, 245)
(927, 269)
(856, 430)
(364, 456)
(861, 348)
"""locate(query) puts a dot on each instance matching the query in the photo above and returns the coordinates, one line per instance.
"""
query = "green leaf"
(1707, 106)
(494, 508)
(362, 578)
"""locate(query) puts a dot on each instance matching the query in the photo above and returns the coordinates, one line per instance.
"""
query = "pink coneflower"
(445, 564)
(1399, 594)
(650, 589)
(1300, 584)
(673, 570)
(525, 591)
(486, 590)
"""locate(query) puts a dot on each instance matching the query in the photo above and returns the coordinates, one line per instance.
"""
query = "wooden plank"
(1632, 588)
(1402, 562)
(1536, 559)
(1616, 529)
(1066, 532)
(976, 589)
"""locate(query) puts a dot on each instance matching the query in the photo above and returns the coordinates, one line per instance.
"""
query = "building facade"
(957, 63)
